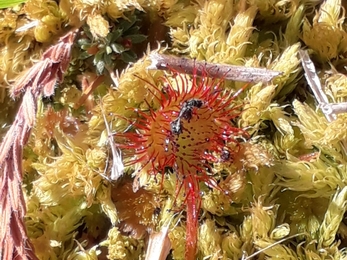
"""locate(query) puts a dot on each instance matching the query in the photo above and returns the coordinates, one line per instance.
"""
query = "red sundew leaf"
(189, 131)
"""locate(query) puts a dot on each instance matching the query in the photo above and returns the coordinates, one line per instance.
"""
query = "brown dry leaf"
(135, 210)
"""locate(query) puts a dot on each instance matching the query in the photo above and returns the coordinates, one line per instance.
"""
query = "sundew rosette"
(191, 130)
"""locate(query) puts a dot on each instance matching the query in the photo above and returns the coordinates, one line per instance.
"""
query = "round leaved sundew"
(188, 132)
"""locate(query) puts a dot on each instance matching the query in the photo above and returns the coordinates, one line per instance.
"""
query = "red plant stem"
(193, 202)
(213, 70)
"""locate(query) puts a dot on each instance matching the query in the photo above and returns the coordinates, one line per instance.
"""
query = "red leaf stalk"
(193, 201)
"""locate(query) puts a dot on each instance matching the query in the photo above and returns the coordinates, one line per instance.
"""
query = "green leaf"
(86, 30)
(83, 41)
(108, 50)
(98, 57)
(117, 48)
(84, 55)
(128, 56)
(137, 38)
(132, 30)
(126, 24)
(100, 66)
(85, 46)
(108, 59)
(115, 35)
(10, 3)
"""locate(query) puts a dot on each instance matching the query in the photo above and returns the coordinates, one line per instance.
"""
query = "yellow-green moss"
(286, 186)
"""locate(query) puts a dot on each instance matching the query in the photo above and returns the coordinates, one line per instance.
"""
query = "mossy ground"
(287, 184)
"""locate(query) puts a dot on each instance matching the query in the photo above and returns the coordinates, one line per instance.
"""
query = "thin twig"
(117, 169)
(328, 110)
(334, 108)
(214, 70)
(314, 82)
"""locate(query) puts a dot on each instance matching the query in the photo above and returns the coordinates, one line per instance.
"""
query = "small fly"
(185, 113)
(187, 108)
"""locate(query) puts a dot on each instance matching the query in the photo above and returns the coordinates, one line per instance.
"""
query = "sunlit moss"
(325, 34)
(281, 194)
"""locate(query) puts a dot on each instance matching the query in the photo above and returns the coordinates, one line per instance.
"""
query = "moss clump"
(286, 180)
